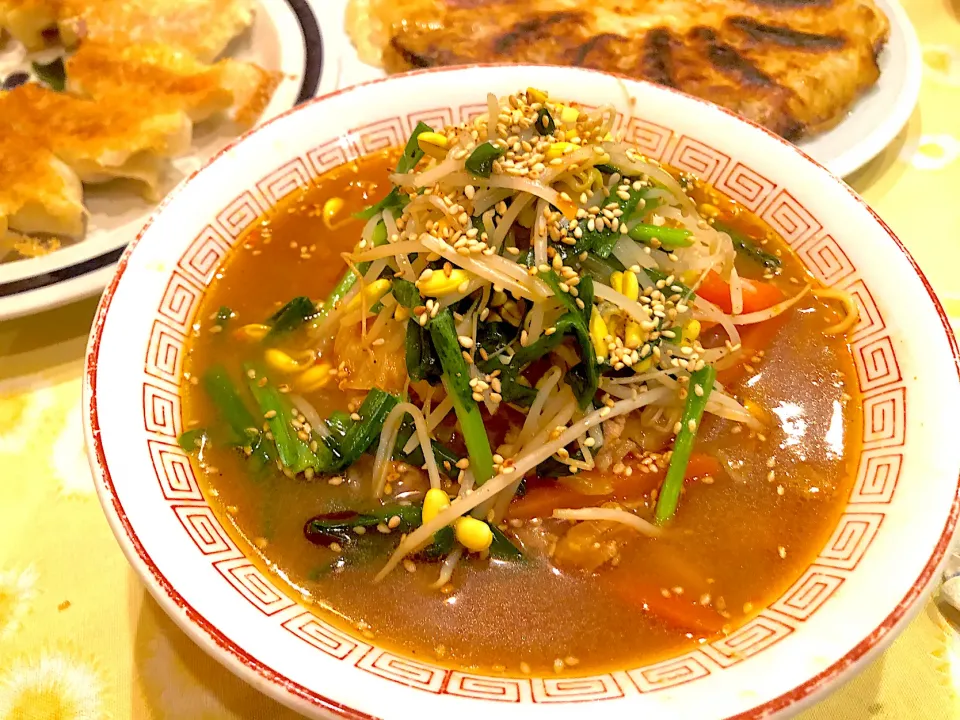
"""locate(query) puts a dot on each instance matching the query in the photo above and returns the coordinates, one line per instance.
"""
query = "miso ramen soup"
(515, 398)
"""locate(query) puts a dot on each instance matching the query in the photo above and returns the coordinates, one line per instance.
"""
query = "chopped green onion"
(52, 74)
(513, 392)
(544, 124)
(406, 293)
(338, 526)
(338, 423)
(411, 151)
(444, 540)
(420, 355)
(192, 440)
(225, 396)
(294, 453)
(501, 548)
(669, 496)
(349, 278)
(409, 518)
(291, 316)
(456, 375)
(338, 293)
(750, 249)
(495, 336)
(394, 200)
(244, 427)
(407, 162)
(480, 162)
(224, 315)
(421, 360)
(362, 434)
(441, 452)
(666, 237)
(601, 242)
(656, 275)
(584, 377)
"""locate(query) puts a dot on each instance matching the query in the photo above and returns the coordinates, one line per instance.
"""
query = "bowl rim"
(284, 689)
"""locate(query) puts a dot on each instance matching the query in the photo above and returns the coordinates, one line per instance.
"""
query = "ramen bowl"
(845, 606)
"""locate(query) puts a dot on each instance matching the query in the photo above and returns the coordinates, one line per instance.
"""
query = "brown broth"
(742, 540)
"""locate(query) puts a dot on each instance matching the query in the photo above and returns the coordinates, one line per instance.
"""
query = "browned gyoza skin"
(794, 66)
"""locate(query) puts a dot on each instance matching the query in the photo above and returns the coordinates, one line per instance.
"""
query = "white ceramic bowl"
(285, 36)
(865, 584)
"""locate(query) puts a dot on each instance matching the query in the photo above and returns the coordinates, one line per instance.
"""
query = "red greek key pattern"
(790, 219)
(405, 672)
(164, 353)
(849, 542)
(380, 135)
(813, 589)
(329, 155)
(204, 256)
(673, 672)
(876, 363)
(437, 118)
(877, 477)
(488, 688)
(180, 302)
(746, 186)
(649, 139)
(174, 472)
(161, 411)
(885, 419)
(325, 637)
(284, 180)
(877, 370)
(870, 319)
(565, 690)
(238, 216)
(251, 583)
(701, 160)
(618, 124)
(204, 529)
(826, 260)
(469, 113)
(758, 634)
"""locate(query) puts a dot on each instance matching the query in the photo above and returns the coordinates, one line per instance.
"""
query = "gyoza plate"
(869, 127)
(285, 36)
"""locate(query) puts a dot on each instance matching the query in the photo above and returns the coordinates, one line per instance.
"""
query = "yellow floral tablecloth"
(80, 639)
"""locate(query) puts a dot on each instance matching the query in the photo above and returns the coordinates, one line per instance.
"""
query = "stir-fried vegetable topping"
(527, 266)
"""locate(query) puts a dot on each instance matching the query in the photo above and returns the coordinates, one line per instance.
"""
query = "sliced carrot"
(757, 295)
(630, 487)
(545, 497)
(675, 610)
(542, 499)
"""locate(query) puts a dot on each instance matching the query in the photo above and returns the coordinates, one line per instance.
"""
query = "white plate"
(285, 36)
(869, 127)
(883, 112)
